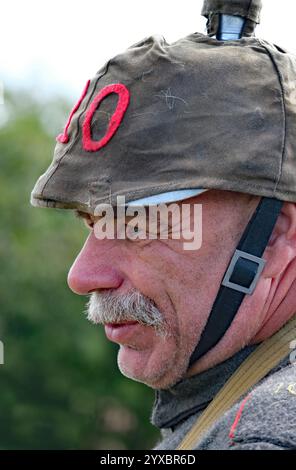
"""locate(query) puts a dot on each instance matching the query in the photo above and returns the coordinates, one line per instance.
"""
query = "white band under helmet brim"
(165, 198)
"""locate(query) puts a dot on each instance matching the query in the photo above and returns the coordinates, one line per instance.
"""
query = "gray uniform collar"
(192, 395)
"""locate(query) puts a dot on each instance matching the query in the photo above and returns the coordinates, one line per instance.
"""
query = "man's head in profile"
(197, 265)
(199, 122)
(154, 298)
(151, 124)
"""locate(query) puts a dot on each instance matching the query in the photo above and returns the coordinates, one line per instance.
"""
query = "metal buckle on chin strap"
(241, 276)
(243, 272)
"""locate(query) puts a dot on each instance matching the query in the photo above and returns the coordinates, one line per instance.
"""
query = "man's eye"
(89, 223)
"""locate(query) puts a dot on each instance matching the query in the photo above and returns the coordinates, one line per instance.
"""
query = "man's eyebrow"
(89, 218)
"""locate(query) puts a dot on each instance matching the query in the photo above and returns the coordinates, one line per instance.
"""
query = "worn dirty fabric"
(196, 113)
(248, 9)
(263, 419)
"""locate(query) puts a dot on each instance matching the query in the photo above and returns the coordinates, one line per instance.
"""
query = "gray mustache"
(107, 307)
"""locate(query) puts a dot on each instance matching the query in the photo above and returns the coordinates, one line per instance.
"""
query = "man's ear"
(281, 249)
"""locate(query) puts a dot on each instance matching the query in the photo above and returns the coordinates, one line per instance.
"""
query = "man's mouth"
(121, 331)
(121, 323)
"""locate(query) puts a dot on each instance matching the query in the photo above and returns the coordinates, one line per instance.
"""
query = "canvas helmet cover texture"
(196, 113)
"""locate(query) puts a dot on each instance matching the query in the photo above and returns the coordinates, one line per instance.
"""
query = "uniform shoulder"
(268, 414)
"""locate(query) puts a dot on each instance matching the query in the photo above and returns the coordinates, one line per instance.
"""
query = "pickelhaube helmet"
(162, 122)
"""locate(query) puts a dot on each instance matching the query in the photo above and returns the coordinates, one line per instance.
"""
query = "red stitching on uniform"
(64, 138)
(124, 96)
(238, 417)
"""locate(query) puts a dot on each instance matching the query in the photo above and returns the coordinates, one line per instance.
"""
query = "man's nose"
(94, 268)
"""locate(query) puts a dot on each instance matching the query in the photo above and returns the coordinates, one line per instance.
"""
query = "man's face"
(153, 296)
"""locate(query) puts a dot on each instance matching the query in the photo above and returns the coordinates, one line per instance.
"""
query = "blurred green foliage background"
(60, 387)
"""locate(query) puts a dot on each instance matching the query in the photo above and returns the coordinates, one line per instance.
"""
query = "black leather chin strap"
(241, 275)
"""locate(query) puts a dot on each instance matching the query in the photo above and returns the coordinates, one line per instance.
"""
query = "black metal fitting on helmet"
(230, 16)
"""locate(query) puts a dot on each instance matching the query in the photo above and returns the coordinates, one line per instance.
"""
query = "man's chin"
(132, 363)
(140, 366)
